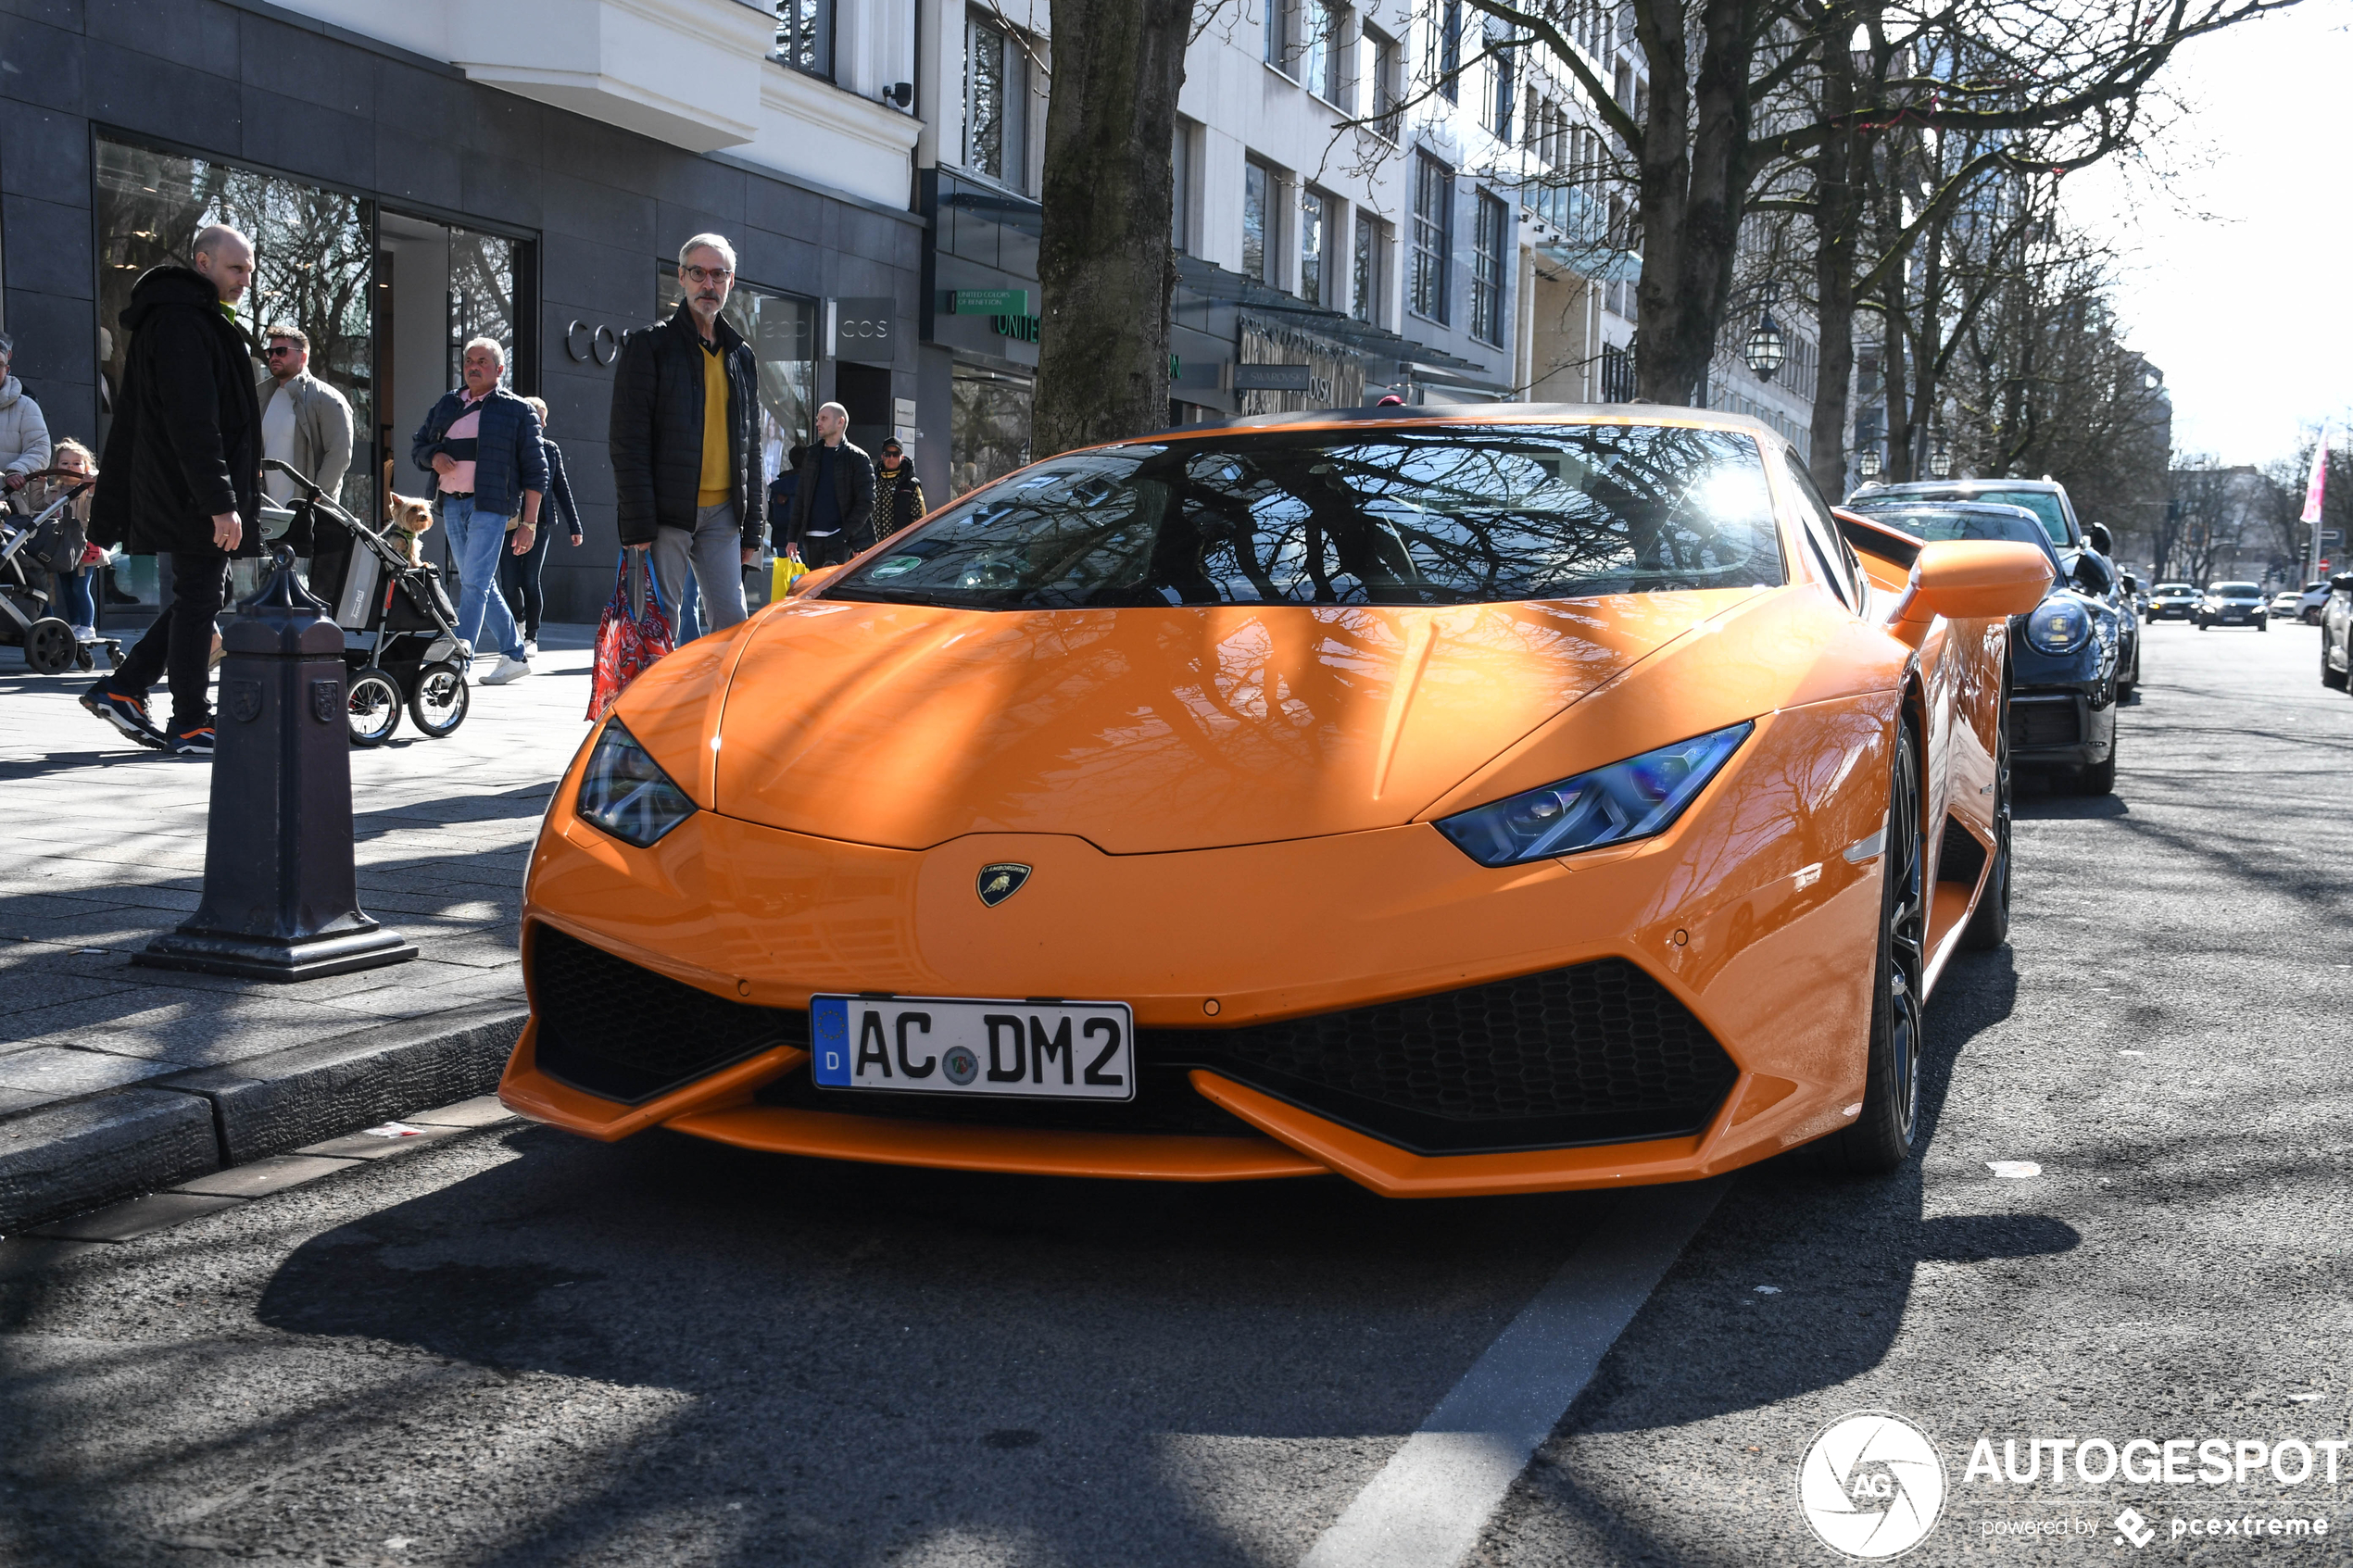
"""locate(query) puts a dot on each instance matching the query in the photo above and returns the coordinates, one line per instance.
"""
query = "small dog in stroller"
(401, 631)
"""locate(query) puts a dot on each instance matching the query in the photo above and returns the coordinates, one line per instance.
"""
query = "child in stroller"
(39, 549)
(393, 611)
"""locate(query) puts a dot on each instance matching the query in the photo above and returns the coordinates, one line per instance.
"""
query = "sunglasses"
(277, 349)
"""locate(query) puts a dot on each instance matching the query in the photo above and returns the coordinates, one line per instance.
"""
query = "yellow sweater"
(715, 486)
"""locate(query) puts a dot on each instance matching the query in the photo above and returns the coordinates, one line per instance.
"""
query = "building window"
(1433, 236)
(1502, 79)
(1258, 221)
(1446, 50)
(988, 426)
(1280, 20)
(1180, 183)
(314, 255)
(1489, 241)
(1388, 91)
(1318, 215)
(805, 36)
(996, 96)
(1321, 63)
(1370, 284)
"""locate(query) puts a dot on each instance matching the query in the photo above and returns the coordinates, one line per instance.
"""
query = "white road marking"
(2014, 1170)
(1426, 1507)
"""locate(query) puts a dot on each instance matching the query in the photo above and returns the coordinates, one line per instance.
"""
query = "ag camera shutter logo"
(1871, 1484)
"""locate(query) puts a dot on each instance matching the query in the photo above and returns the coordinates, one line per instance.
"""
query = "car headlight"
(2059, 626)
(1624, 801)
(625, 793)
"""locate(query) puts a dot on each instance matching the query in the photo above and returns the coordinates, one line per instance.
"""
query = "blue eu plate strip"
(829, 1040)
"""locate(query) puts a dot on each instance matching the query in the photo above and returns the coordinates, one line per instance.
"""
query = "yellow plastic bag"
(788, 571)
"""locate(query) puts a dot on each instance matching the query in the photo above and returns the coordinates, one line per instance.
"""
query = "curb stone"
(61, 1160)
(300, 1095)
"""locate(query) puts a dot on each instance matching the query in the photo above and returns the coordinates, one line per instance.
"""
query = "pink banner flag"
(2319, 481)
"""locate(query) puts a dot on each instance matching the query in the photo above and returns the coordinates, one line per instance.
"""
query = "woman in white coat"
(24, 434)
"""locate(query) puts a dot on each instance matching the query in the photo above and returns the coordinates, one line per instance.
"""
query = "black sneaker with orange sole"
(193, 743)
(126, 714)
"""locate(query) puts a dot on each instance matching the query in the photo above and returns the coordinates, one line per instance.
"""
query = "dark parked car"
(2233, 604)
(2173, 601)
(2084, 550)
(2064, 655)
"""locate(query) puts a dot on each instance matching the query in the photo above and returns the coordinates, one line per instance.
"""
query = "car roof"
(1926, 486)
(1484, 413)
(1930, 503)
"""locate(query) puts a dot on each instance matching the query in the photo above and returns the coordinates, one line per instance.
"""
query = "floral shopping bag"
(633, 630)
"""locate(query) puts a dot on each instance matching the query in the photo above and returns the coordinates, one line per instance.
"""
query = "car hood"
(1151, 730)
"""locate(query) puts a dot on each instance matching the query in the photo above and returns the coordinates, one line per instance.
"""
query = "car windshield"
(2236, 591)
(1421, 514)
(1931, 524)
(2175, 588)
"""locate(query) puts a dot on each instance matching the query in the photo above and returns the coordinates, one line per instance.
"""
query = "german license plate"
(957, 1045)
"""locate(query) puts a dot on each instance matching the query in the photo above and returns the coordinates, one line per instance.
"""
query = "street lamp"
(1765, 348)
(1940, 459)
(1866, 462)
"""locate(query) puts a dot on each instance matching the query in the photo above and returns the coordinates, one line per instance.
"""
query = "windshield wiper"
(884, 595)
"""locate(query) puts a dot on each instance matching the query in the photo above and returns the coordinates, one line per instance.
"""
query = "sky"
(2239, 285)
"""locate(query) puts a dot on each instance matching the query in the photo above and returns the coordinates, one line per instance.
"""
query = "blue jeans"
(77, 598)
(476, 541)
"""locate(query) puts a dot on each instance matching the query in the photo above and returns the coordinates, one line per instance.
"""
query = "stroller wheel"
(374, 704)
(82, 659)
(114, 656)
(438, 703)
(49, 646)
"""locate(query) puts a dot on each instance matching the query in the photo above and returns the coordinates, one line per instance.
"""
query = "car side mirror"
(2341, 582)
(2131, 583)
(2094, 576)
(812, 579)
(2101, 539)
(1969, 579)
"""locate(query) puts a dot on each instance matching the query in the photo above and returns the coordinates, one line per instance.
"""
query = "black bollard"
(280, 896)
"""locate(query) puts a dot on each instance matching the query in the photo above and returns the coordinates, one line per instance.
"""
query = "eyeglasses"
(709, 274)
(276, 349)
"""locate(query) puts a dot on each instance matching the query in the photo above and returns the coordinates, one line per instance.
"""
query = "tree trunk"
(1694, 174)
(1105, 265)
(1837, 223)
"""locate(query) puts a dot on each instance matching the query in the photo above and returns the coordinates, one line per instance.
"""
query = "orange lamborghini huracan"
(1492, 800)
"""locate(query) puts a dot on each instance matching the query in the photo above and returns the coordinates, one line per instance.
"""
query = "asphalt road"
(514, 1348)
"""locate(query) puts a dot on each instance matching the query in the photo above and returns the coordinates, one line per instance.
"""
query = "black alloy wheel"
(1989, 925)
(1881, 1138)
(2333, 679)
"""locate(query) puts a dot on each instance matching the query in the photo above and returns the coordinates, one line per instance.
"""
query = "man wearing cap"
(898, 495)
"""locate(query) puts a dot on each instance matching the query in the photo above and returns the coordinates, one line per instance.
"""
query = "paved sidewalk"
(108, 851)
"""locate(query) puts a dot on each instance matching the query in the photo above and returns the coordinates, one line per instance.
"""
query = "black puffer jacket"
(186, 441)
(656, 436)
(853, 492)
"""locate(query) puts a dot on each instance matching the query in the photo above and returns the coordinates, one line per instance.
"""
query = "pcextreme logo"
(1871, 1484)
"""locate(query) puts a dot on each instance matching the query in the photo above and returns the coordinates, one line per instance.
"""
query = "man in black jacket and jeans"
(833, 504)
(181, 477)
(685, 440)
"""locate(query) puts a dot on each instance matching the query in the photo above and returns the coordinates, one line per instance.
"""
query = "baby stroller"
(392, 611)
(31, 547)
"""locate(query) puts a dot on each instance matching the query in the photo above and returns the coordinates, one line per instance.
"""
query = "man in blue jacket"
(481, 447)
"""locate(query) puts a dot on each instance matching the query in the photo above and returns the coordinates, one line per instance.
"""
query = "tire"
(1884, 1132)
(1989, 924)
(2312, 615)
(2264, 625)
(374, 707)
(437, 705)
(2333, 679)
(49, 646)
(2099, 778)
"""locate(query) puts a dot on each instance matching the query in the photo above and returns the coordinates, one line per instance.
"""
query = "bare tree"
(1105, 267)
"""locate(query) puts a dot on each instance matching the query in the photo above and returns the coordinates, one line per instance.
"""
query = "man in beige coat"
(304, 421)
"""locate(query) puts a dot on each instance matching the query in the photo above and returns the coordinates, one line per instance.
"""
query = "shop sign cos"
(865, 329)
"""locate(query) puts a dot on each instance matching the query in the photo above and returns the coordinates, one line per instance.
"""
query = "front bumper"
(1374, 992)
